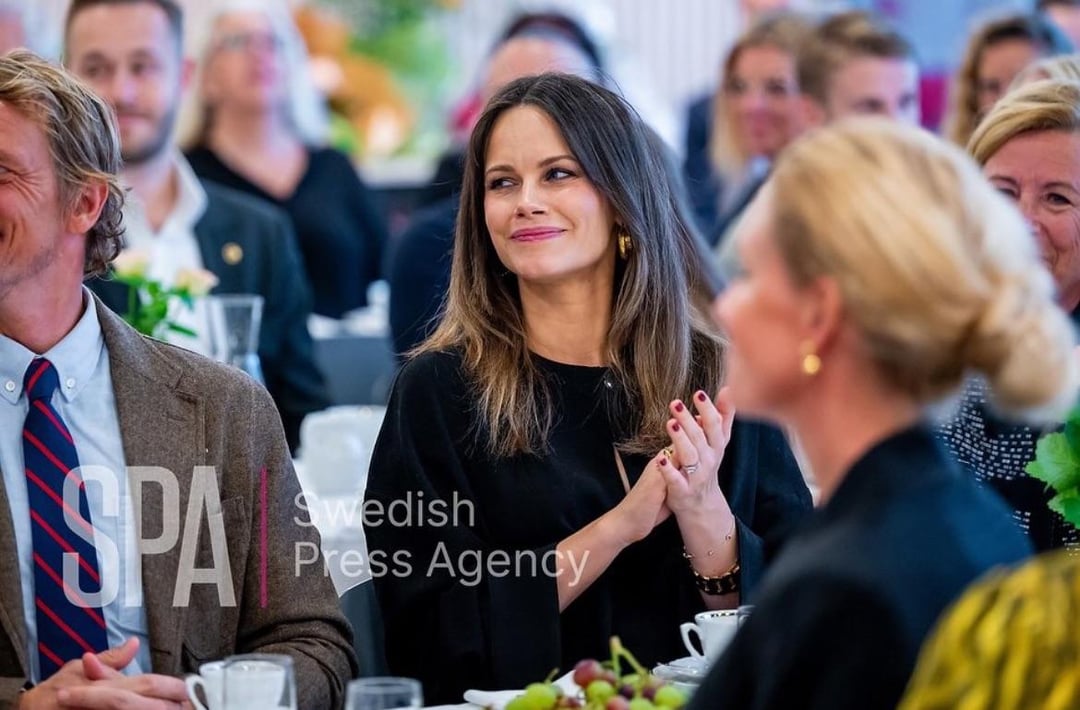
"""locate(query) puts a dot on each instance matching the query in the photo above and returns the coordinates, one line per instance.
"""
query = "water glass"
(234, 321)
(383, 694)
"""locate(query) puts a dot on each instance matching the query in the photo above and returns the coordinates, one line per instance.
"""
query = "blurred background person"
(855, 63)
(879, 267)
(1065, 14)
(1011, 642)
(705, 187)
(259, 128)
(757, 112)
(130, 53)
(559, 42)
(1029, 149)
(996, 52)
(576, 315)
(419, 261)
(850, 64)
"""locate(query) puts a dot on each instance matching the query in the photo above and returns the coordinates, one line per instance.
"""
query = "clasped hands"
(94, 682)
(682, 479)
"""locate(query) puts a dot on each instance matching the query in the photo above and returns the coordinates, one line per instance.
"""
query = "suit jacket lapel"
(209, 233)
(161, 426)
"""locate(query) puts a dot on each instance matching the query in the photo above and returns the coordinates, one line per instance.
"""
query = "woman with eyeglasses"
(261, 129)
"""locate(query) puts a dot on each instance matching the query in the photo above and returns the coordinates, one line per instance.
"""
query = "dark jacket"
(845, 607)
(269, 266)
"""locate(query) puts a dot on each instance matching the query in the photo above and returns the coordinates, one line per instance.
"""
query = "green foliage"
(1057, 463)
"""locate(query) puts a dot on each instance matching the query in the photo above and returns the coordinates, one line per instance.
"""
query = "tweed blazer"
(179, 411)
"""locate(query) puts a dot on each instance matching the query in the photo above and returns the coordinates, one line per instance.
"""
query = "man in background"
(130, 52)
(856, 64)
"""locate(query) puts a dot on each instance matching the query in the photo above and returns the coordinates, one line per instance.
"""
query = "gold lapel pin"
(232, 253)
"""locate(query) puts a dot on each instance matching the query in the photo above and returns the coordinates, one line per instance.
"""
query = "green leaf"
(1067, 505)
(176, 328)
(1058, 463)
(1072, 429)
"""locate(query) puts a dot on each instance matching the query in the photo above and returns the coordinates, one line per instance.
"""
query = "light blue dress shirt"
(86, 402)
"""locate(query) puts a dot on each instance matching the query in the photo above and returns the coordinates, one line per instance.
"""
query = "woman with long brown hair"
(574, 348)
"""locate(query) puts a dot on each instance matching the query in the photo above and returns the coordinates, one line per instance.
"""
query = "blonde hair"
(304, 107)
(1062, 68)
(938, 272)
(1046, 105)
(83, 142)
(963, 113)
(785, 32)
(1011, 642)
(661, 344)
(840, 39)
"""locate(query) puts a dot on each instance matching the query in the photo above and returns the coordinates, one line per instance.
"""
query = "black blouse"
(340, 231)
(454, 629)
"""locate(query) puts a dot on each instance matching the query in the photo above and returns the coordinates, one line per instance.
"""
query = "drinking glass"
(383, 694)
(234, 321)
(258, 680)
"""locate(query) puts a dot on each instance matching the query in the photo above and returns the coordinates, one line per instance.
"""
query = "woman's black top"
(456, 628)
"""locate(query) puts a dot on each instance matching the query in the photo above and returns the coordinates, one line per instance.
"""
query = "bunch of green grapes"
(604, 688)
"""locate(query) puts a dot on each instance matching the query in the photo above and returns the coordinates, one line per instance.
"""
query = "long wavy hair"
(661, 344)
(963, 114)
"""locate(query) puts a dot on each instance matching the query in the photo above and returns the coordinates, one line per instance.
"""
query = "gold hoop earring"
(626, 244)
(811, 363)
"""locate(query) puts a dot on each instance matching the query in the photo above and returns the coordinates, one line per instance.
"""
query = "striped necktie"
(67, 626)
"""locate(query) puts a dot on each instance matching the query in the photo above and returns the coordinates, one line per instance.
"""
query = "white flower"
(196, 282)
(131, 263)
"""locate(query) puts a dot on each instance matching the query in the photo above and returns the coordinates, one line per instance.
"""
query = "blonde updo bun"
(939, 273)
(1015, 332)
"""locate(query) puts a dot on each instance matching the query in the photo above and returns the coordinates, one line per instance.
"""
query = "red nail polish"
(701, 397)
(675, 426)
(679, 406)
(663, 462)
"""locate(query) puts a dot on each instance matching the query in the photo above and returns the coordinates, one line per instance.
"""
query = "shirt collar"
(186, 212)
(190, 194)
(75, 357)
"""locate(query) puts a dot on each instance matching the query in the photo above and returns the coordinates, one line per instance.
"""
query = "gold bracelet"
(725, 583)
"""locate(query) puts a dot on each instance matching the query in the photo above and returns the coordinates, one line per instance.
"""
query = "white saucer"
(691, 669)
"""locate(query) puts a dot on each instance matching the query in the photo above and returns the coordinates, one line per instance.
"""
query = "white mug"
(714, 630)
(209, 679)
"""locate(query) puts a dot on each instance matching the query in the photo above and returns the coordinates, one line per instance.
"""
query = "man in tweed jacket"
(222, 492)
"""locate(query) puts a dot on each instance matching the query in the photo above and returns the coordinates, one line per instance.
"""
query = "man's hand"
(148, 691)
(80, 674)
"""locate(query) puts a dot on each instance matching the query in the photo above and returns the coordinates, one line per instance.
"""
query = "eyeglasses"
(248, 41)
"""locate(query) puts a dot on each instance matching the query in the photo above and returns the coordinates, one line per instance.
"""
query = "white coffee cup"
(209, 679)
(714, 630)
(238, 684)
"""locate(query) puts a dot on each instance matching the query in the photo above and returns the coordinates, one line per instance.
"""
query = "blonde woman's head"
(1061, 68)
(1029, 147)
(252, 55)
(758, 109)
(936, 271)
